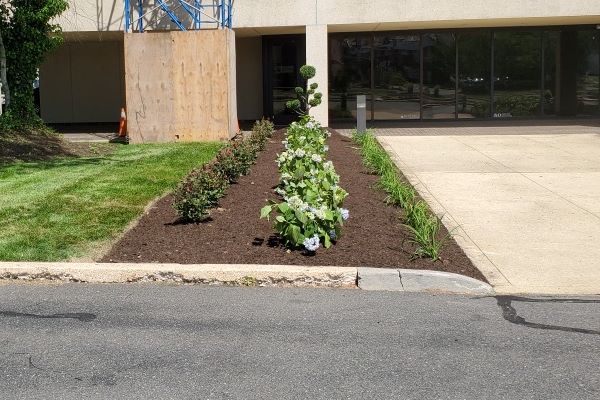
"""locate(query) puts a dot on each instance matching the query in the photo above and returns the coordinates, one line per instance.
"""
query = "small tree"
(307, 97)
(28, 34)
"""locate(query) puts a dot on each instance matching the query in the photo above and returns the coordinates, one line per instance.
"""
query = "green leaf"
(296, 234)
(265, 211)
(301, 217)
(283, 207)
(327, 241)
(280, 218)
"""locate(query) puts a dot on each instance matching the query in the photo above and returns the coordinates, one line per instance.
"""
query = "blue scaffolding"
(184, 14)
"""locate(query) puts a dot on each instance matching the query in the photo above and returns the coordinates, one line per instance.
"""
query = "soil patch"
(45, 146)
(372, 237)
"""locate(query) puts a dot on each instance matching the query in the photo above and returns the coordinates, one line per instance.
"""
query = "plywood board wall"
(180, 86)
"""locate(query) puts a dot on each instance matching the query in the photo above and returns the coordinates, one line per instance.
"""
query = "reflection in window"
(439, 65)
(588, 85)
(474, 69)
(551, 81)
(397, 77)
(349, 74)
(517, 74)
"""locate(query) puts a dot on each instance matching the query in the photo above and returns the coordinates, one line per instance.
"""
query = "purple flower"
(312, 244)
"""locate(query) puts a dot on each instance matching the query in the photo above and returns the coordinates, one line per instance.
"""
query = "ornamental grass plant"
(423, 225)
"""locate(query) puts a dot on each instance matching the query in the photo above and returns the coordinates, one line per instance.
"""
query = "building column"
(317, 56)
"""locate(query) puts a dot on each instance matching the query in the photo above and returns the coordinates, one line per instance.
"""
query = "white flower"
(325, 148)
(345, 214)
(316, 158)
(310, 125)
(300, 153)
(320, 213)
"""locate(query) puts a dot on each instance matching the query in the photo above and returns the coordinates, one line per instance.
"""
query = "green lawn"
(69, 207)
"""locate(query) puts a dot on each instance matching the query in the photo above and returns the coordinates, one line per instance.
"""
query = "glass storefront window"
(349, 74)
(439, 75)
(474, 75)
(517, 74)
(551, 81)
(396, 92)
(588, 86)
(485, 73)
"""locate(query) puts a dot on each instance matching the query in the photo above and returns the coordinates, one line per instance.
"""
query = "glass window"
(551, 81)
(396, 91)
(588, 85)
(474, 71)
(517, 73)
(439, 78)
(349, 74)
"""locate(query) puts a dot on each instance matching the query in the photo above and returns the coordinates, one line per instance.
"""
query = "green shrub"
(235, 160)
(199, 192)
(202, 188)
(261, 132)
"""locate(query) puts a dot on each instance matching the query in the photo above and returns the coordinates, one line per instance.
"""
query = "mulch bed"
(372, 237)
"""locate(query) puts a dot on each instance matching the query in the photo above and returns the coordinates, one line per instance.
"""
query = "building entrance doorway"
(283, 56)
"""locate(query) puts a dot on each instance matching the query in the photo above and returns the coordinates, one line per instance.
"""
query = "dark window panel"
(396, 92)
(349, 73)
(474, 72)
(439, 75)
(517, 73)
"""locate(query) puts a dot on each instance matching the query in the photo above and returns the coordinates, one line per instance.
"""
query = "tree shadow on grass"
(47, 149)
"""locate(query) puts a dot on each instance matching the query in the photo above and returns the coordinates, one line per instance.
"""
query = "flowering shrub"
(199, 192)
(202, 188)
(311, 212)
(235, 159)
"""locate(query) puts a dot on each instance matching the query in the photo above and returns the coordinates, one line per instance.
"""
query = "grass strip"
(67, 208)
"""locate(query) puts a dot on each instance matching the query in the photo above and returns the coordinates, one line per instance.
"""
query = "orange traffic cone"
(123, 123)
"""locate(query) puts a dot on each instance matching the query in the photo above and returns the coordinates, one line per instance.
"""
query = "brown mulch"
(372, 237)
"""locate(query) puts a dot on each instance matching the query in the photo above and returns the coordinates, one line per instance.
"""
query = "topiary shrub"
(308, 97)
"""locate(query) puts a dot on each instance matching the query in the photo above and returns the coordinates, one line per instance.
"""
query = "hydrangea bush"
(311, 212)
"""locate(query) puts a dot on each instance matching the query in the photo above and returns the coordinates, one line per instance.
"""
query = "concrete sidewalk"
(525, 207)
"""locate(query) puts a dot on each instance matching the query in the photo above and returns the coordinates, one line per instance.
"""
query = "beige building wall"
(107, 15)
(83, 81)
(253, 18)
(249, 77)
(316, 55)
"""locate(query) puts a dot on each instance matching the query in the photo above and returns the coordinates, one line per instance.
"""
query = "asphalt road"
(196, 342)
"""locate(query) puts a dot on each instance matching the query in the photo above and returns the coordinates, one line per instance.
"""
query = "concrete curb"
(214, 274)
(411, 280)
(404, 280)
